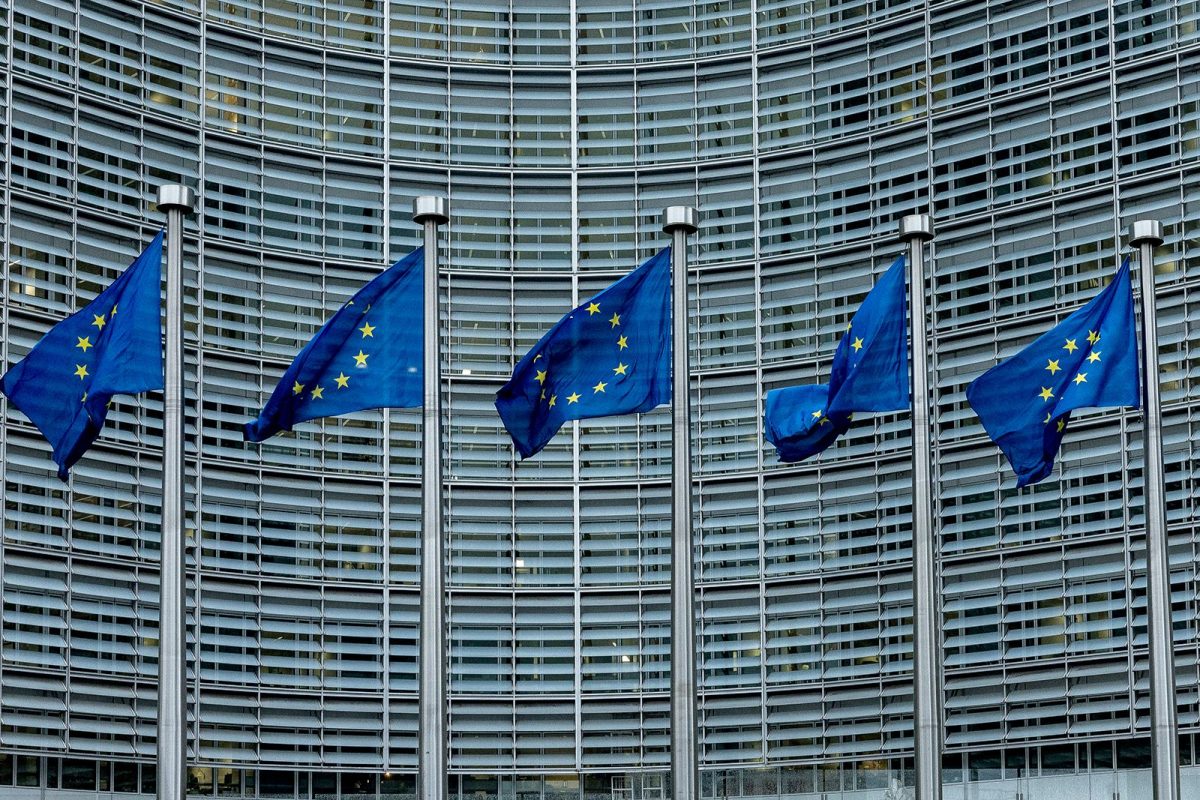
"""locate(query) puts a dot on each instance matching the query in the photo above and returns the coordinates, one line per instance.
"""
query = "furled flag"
(112, 346)
(611, 355)
(869, 373)
(1088, 359)
(368, 355)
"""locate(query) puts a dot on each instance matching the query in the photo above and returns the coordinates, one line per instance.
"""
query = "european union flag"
(112, 346)
(1088, 359)
(611, 355)
(869, 373)
(368, 355)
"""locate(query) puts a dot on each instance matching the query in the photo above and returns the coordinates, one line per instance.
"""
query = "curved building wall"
(1034, 131)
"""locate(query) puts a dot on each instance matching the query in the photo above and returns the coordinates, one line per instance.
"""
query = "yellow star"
(848, 324)
(553, 400)
(817, 414)
(542, 396)
(368, 330)
(1070, 346)
(1053, 366)
(824, 420)
(1093, 337)
(858, 345)
(541, 376)
(360, 360)
(620, 368)
(599, 387)
(84, 342)
(343, 380)
(1045, 394)
(1061, 424)
(113, 313)
(84, 398)
(593, 308)
(1046, 421)
(539, 355)
(1080, 378)
(98, 320)
(81, 371)
(615, 320)
(297, 387)
(1093, 356)
(623, 342)
(318, 393)
(572, 398)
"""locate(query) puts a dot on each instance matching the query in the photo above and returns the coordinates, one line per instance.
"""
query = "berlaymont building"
(1034, 132)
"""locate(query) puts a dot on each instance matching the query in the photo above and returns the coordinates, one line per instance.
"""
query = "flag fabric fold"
(368, 355)
(610, 355)
(869, 373)
(113, 345)
(1088, 359)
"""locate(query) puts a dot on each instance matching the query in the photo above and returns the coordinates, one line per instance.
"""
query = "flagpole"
(431, 211)
(678, 222)
(171, 741)
(915, 230)
(1164, 741)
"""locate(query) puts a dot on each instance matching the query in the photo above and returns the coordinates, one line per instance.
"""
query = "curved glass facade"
(1034, 131)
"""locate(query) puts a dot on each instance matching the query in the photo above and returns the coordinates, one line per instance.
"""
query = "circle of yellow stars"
(342, 380)
(856, 344)
(85, 343)
(621, 370)
(1054, 366)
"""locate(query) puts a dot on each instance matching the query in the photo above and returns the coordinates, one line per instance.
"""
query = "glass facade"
(1034, 131)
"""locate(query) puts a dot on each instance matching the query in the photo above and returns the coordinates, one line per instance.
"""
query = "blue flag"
(611, 355)
(1088, 359)
(368, 355)
(112, 346)
(869, 373)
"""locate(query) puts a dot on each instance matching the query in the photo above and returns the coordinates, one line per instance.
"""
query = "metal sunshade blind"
(480, 117)
(727, 197)
(541, 227)
(541, 120)
(354, 104)
(293, 102)
(727, 439)
(418, 112)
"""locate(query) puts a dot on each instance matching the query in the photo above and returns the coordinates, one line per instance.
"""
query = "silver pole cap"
(176, 196)
(916, 226)
(1146, 231)
(430, 208)
(683, 218)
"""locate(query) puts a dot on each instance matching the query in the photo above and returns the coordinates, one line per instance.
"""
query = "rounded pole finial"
(1146, 231)
(430, 208)
(683, 218)
(916, 226)
(173, 196)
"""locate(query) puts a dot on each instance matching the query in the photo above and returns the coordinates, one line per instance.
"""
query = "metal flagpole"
(679, 221)
(1164, 741)
(171, 742)
(915, 230)
(431, 211)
